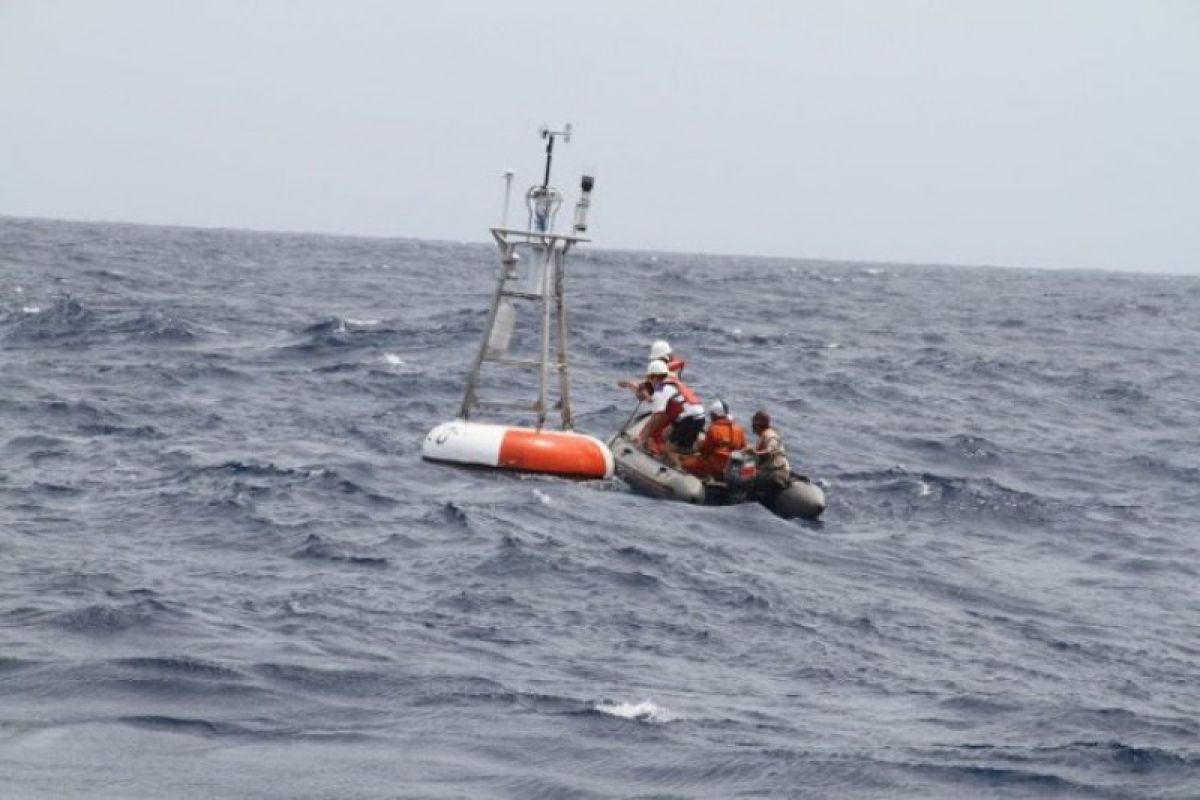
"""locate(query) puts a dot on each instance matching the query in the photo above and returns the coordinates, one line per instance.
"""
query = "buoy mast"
(533, 262)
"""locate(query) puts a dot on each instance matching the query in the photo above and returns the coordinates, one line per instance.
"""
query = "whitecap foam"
(645, 711)
(541, 497)
(393, 359)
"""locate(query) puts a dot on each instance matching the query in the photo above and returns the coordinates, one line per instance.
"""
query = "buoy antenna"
(550, 136)
(508, 179)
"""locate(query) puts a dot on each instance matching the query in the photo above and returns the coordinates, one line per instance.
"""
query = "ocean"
(225, 570)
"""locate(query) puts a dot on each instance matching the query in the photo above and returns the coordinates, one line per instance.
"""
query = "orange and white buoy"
(532, 264)
(565, 453)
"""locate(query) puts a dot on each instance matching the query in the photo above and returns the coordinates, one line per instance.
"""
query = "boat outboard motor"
(739, 476)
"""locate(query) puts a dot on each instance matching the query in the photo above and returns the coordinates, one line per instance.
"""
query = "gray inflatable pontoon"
(801, 499)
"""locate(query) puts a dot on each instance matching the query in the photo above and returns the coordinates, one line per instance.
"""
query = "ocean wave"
(131, 431)
(320, 549)
(189, 725)
(450, 513)
(115, 617)
(186, 666)
(903, 493)
(644, 711)
(234, 475)
(1159, 467)
(156, 326)
(68, 321)
(517, 558)
(961, 447)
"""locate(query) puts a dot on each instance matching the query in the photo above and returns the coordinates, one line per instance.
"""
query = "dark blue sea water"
(226, 572)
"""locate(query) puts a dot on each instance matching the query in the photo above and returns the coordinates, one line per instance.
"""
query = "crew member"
(659, 351)
(722, 438)
(773, 471)
(676, 417)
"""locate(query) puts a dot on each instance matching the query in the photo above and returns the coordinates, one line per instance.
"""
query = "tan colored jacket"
(770, 457)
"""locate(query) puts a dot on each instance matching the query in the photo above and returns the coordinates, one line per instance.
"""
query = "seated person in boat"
(659, 351)
(723, 437)
(774, 473)
(676, 415)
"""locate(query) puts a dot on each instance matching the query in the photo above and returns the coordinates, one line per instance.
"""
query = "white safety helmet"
(659, 349)
(718, 409)
(657, 368)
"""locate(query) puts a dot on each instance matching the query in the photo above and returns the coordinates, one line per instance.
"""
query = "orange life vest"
(722, 438)
(684, 396)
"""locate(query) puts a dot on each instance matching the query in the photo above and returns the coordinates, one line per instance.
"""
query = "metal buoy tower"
(532, 269)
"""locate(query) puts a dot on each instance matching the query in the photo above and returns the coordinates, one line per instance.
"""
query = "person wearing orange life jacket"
(722, 438)
(676, 415)
(659, 351)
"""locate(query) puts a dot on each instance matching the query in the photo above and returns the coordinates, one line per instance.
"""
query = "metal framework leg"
(564, 378)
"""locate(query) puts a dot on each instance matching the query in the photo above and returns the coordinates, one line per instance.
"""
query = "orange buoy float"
(565, 453)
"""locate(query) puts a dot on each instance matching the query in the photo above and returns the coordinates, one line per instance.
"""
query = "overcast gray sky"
(1049, 133)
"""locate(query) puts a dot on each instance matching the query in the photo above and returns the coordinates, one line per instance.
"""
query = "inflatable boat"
(800, 499)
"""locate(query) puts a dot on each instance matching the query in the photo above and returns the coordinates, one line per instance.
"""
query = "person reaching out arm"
(659, 351)
(676, 418)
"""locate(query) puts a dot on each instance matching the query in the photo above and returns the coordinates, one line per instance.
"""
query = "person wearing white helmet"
(660, 350)
(723, 437)
(676, 414)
